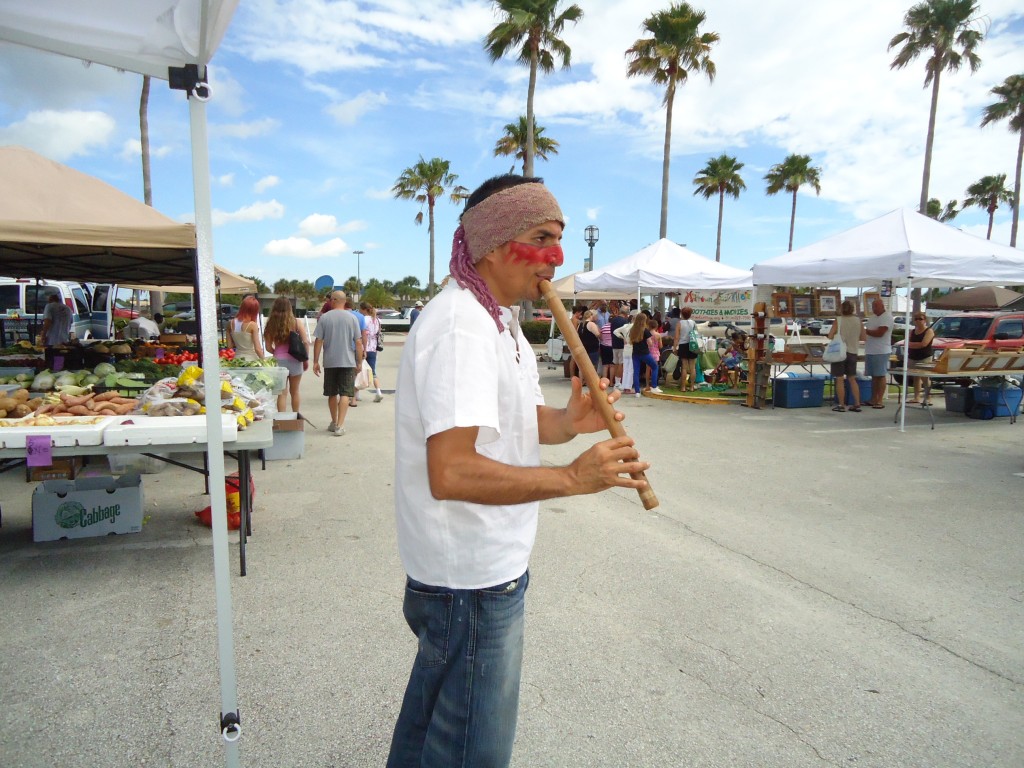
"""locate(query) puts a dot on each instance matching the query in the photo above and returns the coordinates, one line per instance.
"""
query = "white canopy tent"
(565, 287)
(171, 40)
(903, 246)
(664, 267)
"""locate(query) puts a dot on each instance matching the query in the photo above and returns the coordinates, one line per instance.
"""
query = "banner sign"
(719, 305)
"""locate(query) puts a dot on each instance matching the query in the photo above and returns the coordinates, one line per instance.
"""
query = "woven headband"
(499, 218)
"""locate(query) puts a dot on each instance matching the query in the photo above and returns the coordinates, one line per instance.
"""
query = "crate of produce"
(91, 506)
(798, 392)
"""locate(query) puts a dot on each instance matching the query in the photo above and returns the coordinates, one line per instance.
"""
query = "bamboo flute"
(593, 381)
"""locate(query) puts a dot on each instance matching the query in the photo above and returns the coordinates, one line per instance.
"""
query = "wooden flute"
(593, 381)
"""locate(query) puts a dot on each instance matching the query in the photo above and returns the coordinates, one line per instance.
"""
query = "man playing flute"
(470, 419)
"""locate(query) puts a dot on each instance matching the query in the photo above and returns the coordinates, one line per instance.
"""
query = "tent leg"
(906, 359)
(228, 723)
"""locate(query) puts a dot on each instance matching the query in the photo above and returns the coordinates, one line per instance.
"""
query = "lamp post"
(590, 234)
(359, 279)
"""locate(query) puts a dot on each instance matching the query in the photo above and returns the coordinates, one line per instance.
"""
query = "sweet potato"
(79, 410)
(103, 396)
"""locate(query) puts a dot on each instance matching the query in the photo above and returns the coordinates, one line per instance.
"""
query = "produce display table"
(256, 437)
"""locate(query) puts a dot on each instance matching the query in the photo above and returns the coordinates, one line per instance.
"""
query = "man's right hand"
(608, 464)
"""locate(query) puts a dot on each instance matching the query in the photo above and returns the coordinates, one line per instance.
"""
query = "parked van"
(23, 301)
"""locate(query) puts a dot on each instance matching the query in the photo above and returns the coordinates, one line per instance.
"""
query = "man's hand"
(316, 367)
(582, 414)
(607, 464)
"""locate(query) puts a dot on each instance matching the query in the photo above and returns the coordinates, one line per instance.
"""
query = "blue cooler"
(865, 391)
(990, 402)
(798, 392)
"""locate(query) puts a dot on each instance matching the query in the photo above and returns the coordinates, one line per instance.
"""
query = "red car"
(988, 330)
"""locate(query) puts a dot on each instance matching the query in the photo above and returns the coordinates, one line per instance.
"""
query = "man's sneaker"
(332, 427)
(378, 397)
(655, 390)
(339, 432)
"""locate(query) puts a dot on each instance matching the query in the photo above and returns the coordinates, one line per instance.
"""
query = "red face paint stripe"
(527, 253)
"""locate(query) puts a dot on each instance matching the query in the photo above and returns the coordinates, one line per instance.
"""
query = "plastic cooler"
(865, 391)
(956, 399)
(1003, 401)
(798, 392)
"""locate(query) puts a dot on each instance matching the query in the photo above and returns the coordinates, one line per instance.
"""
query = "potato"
(3, 413)
(21, 395)
(21, 410)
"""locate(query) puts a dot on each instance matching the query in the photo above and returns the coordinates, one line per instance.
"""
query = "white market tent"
(171, 40)
(227, 282)
(903, 246)
(664, 267)
(565, 287)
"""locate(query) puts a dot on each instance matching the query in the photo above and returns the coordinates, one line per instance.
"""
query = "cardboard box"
(798, 392)
(62, 469)
(289, 437)
(93, 506)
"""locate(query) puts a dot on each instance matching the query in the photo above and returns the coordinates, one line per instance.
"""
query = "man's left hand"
(583, 415)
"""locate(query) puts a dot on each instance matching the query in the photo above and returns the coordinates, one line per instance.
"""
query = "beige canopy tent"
(59, 223)
(982, 297)
(227, 282)
(566, 289)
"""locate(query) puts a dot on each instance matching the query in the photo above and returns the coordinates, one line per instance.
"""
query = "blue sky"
(318, 107)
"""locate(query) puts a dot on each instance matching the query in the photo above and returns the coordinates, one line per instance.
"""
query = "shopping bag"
(835, 352)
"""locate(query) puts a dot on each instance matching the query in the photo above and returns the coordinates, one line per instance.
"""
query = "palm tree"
(675, 47)
(937, 212)
(791, 174)
(514, 142)
(1010, 107)
(945, 30)
(719, 176)
(988, 192)
(425, 182)
(532, 27)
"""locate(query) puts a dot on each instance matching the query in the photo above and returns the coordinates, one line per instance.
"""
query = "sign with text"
(38, 451)
(719, 305)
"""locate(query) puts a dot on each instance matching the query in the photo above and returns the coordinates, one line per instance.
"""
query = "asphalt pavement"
(816, 588)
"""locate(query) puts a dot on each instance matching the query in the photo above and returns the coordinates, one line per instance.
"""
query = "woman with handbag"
(684, 341)
(374, 337)
(288, 342)
(851, 333)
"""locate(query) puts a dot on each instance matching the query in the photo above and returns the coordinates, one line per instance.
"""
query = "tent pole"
(215, 437)
(906, 356)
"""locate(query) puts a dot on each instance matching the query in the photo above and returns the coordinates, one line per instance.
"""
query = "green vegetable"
(104, 369)
(43, 382)
(73, 391)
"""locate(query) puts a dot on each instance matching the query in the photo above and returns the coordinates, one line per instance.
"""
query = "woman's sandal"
(855, 408)
(879, 406)
(839, 408)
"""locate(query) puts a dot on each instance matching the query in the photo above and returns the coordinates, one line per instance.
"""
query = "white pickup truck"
(393, 319)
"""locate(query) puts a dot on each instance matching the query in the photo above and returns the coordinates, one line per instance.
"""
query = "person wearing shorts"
(340, 339)
(849, 327)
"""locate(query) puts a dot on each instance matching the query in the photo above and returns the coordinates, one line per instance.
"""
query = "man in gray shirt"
(338, 337)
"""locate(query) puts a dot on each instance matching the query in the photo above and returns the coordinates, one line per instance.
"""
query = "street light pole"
(590, 235)
(359, 278)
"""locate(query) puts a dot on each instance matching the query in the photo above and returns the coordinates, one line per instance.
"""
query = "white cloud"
(132, 150)
(592, 213)
(379, 194)
(348, 112)
(226, 180)
(322, 224)
(303, 248)
(255, 212)
(248, 130)
(61, 135)
(265, 183)
(324, 37)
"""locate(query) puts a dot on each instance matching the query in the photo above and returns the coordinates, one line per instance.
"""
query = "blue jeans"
(638, 367)
(462, 700)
